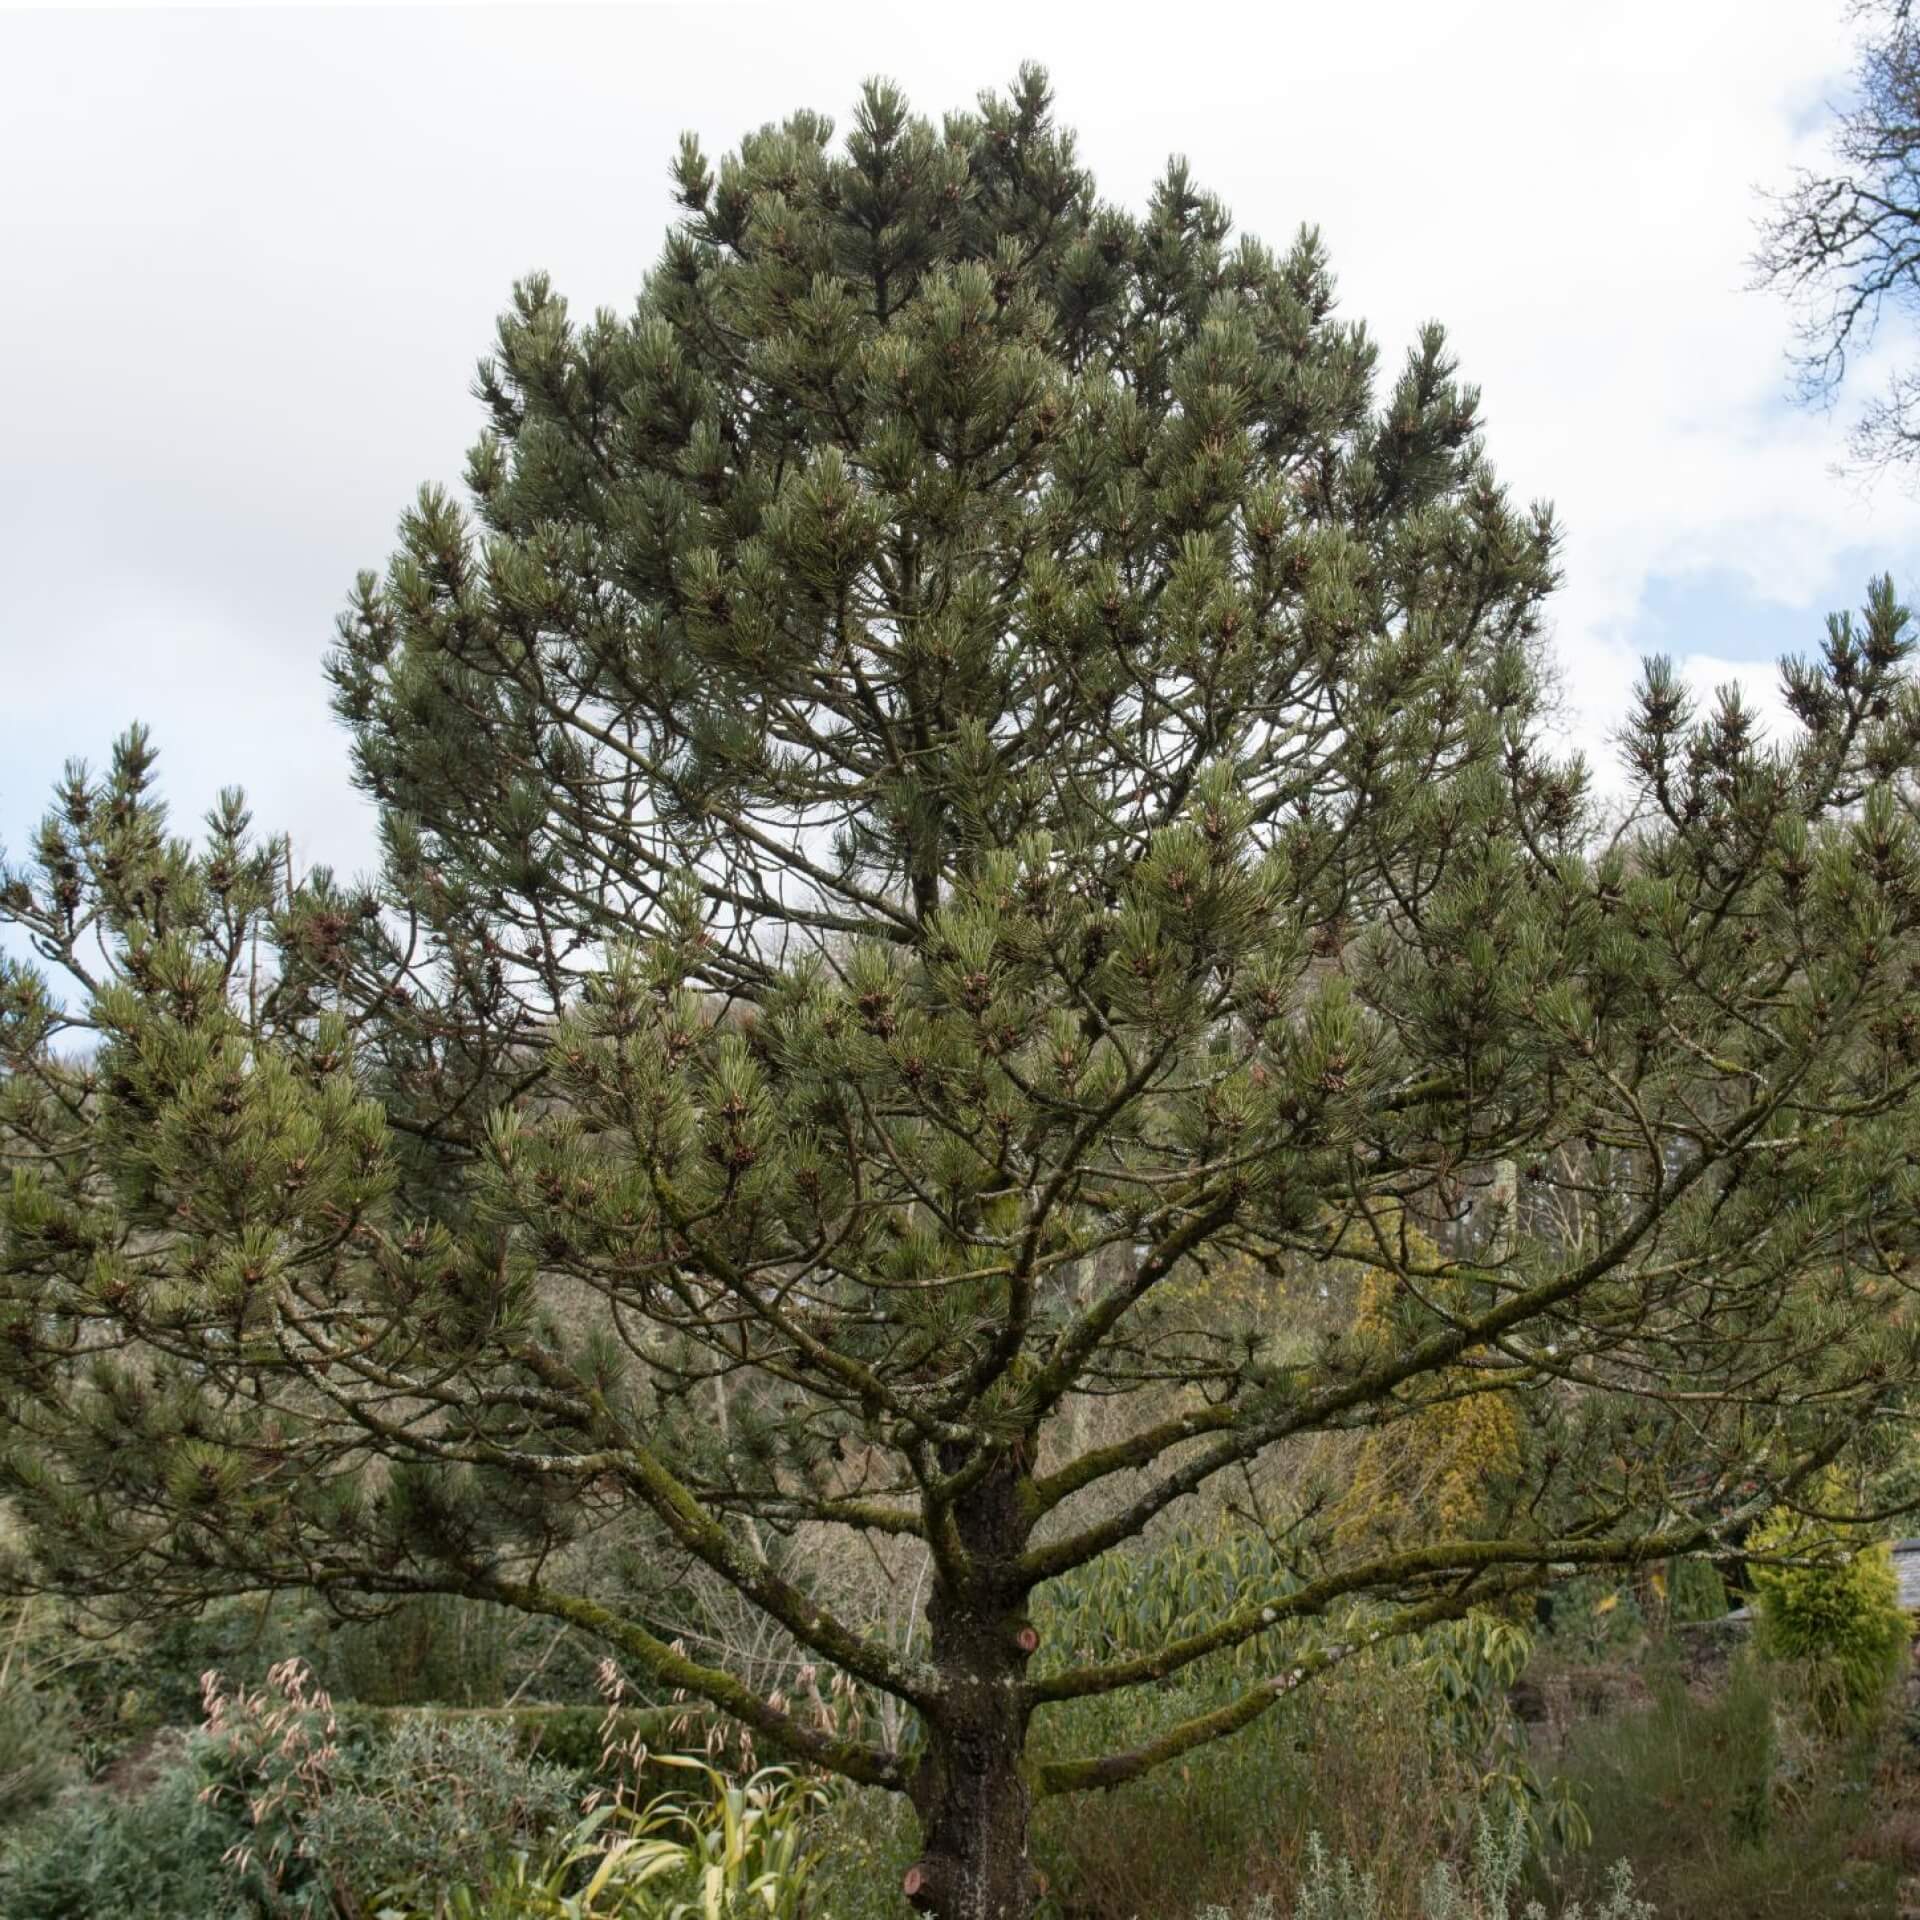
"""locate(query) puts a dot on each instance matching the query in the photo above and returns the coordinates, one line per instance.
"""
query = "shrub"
(1696, 1591)
(1499, 1858)
(1835, 1608)
(148, 1676)
(269, 1756)
(867, 1839)
(152, 1856)
(572, 1738)
(1387, 1754)
(35, 1760)
(391, 1819)
(267, 1812)
(421, 1806)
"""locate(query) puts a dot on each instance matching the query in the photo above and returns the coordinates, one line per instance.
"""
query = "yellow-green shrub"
(1833, 1606)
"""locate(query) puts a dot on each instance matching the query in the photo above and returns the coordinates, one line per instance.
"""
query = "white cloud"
(259, 252)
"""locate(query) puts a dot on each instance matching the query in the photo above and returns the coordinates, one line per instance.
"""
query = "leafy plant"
(736, 1847)
(421, 1805)
(337, 1826)
(1387, 1756)
(1696, 1590)
(433, 1648)
(270, 1756)
(1486, 1891)
(746, 1845)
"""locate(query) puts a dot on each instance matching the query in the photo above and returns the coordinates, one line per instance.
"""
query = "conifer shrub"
(432, 1650)
(1834, 1608)
(37, 1735)
(1696, 1591)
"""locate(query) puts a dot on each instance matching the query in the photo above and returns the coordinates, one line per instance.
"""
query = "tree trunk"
(970, 1789)
(971, 1795)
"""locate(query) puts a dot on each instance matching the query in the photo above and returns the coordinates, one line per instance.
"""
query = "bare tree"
(1844, 243)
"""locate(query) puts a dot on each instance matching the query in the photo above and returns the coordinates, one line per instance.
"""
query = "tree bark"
(970, 1790)
(972, 1797)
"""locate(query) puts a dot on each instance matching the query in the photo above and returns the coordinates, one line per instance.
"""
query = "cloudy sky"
(251, 256)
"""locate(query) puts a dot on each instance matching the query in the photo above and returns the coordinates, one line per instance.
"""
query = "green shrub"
(35, 1755)
(867, 1840)
(1593, 1618)
(278, 1810)
(331, 1826)
(151, 1856)
(420, 1807)
(574, 1738)
(1696, 1591)
(1487, 1890)
(1836, 1609)
(128, 1685)
(1387, 1754)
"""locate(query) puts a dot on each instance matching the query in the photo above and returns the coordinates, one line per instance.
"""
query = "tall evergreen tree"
(963, 772)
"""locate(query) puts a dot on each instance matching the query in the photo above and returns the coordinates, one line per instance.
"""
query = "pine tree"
(962, 770)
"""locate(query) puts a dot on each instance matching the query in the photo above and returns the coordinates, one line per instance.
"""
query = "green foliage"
(417, 1810)
(1387, 1753)
(130, 1683)
(39, 1737)
(867, 1841)
(1132, 1602)
(36, 1753)
(1595, 1618)
(1486, 1891)
(1696, 1591)
(1607, 1617)
(441, 1822)
(1833, 1605)
(746, 1845)
(575, 1739)
(436, 1650)
(155, 1855)
(1735, 1802)
(730, 1848)
(270, 1759)
(390, 1818)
